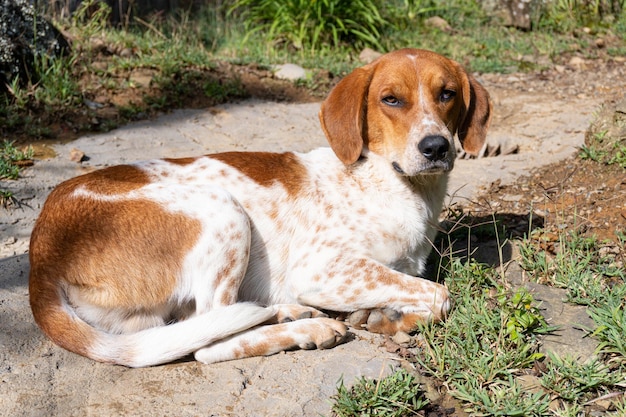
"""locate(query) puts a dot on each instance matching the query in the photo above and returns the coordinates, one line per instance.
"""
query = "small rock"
(577, 63)
(93, 105)
(99, 46)
(368, 55)
(600, 43)
(438, 23)
(509, 149)
(290, 72)
(401, 338)
(140, 78)
(76, 155)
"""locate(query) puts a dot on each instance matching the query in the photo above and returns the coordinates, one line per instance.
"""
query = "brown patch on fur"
(131, 261)
(181, 161)
(118, 179)
(275, 339)
(266, 168)
(407, 323)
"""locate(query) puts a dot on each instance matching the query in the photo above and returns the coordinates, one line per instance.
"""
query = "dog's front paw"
(389, 321)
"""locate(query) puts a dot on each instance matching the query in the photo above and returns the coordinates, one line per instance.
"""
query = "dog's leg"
(215, 267)
(321, 333)
(361, 283)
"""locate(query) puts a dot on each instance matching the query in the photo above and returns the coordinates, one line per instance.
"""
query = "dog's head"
(406, 107)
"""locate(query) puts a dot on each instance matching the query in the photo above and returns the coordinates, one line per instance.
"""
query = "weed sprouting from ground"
(489, 338)
(396, 395)
(12, 158)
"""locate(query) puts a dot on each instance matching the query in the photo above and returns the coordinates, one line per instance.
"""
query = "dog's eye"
(446, 95)
(391, 101)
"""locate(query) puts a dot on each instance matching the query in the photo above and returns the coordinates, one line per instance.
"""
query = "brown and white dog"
(231, 255)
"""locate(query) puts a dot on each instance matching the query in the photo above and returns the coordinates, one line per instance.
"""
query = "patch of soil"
(575, 195)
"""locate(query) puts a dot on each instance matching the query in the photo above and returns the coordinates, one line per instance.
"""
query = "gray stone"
(570, 339)
(516, 13)
(401, 338)
(438, 23)
(368, 55)
(290, 72)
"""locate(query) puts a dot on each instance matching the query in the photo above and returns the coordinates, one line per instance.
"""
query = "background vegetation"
(182, 49)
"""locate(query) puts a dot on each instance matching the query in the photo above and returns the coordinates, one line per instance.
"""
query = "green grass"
(579, 266)
(395, 396)
(491, 338)
(576, 382)
(304, 24)
(605, 149)
(11, 160)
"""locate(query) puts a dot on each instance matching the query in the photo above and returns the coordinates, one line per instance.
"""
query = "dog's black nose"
(434, 148)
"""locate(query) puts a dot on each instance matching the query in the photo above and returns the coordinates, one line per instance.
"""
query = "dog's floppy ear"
(472, 130)
(342, 115)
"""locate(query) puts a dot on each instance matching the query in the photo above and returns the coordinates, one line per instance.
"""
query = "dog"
(239, 254)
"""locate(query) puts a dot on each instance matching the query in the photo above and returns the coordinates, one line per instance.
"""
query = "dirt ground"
(540, 119)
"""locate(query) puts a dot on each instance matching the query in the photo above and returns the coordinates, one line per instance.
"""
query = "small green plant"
(577, 266)
(489, 337)
(502, 398)
(566, 378)
(521, 316)
(11, 158)
(7, 199)
(618, 156)
(610, 318)
(396, 395)
(591, 153)
(56, 85)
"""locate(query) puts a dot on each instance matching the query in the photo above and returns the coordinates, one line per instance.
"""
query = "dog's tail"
(147, 347)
